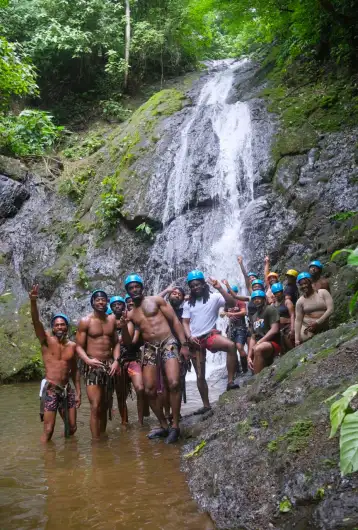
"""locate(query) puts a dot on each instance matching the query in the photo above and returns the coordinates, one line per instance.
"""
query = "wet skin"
(96, 339)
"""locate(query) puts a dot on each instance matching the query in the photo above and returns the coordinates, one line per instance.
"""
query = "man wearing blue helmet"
(315, 269)
(237, 330)
(313, 309)
(249, 277)
(59, 358)
(157, 321)
(264, 342)
(97, 346)
(286, 311)
(200, 314)
(130, 369)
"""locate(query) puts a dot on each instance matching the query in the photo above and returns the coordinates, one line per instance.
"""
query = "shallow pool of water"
(126, 481)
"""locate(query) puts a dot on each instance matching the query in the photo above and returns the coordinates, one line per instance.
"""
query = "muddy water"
(126, 482)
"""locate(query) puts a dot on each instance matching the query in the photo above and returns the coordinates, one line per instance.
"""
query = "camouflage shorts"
(161, 351)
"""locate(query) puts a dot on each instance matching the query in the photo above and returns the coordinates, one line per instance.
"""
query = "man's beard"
(60, 334)
(175, 302)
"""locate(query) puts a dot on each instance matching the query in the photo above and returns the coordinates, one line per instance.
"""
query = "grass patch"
(295, 439)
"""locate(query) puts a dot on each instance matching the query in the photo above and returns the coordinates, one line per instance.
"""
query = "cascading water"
(209, 187)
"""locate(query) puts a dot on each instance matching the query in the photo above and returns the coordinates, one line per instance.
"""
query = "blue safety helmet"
(235, 288)
(258, 294)
(195, 275)
(304, 275)
(116, 299)
(258, 282)
(60, 315)
(127, 297)
(252, 274)
(109, 311)
(276, 287)
(133, 278)
(316, 263)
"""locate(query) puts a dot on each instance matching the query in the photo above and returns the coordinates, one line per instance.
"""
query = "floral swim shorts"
(54, 396)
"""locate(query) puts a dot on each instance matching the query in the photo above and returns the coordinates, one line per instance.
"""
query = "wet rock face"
(269, 441)
(12, 196)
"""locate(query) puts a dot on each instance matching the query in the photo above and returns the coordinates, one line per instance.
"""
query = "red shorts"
(276, 348)
(207, 341)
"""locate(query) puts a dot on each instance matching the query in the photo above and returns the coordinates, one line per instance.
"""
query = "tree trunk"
(127, 43)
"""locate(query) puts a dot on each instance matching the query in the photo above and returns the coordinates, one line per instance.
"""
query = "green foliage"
(285, 505)
(343, 416)
(353, 261)
(83, 280)
(75, 186)
(32, 132)
(196, 450)
(114, 109)
(87, 147)
(295, 438)
(146, 230)
(110, 209)
(342, 216)
(17, 74)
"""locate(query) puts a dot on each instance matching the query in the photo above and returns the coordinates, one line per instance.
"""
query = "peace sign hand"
(34, 293)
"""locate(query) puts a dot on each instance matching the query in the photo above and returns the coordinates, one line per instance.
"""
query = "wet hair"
(206, 294)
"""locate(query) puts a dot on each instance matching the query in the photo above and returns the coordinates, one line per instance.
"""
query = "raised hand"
(215, 283)
(267, 259)
(34, 293)
(239, 260)
(123, 321)
(226, 283)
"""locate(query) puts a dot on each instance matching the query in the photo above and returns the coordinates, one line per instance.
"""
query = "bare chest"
(59, 352)
(100, 329)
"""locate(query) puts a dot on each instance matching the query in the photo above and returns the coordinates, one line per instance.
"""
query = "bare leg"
(72, 417)
(137, 381)
(104, 412)
(150, 388)
(121, 392)
(166, 400)
(172, 371)
(49, 425)
(221, 343)
(95, 397)
(263, 356)
(243, 356)
(200, 377)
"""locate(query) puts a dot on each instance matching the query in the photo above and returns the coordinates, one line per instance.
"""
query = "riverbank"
(267, 460)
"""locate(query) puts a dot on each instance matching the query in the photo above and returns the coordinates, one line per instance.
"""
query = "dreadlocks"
(206, 295)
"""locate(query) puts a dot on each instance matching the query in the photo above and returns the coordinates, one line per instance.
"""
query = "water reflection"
(123, 482)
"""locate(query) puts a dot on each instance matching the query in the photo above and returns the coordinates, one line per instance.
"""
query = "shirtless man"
(313, 309)
(156, 319)
(96, 344)
(60, 364)
(129, 361)
(315, 269)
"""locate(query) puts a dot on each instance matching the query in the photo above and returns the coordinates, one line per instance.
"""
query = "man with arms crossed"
(200, 314)
(156, 319)
(60, 364)
(96, 345)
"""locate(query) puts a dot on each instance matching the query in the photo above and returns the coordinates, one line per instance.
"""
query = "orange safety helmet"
(272, 275)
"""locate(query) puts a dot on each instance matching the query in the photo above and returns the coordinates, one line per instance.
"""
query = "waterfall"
(209, 187)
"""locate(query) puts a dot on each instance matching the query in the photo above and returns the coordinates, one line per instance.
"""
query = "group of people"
(149, 343)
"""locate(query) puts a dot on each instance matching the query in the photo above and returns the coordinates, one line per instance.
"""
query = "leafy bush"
(110, 209)
(344, 417)
(75, 186)
(90, 145)
(353, 261)
(146, 230)
(114, 109)
(32, 132)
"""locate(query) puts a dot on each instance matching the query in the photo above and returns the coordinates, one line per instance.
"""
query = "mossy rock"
(294, 142)
(20, 358)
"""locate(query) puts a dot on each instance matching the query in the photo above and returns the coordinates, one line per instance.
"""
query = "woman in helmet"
(291, 289)
(286, 311)
(270, 279)
(315, 269)
(313, 309)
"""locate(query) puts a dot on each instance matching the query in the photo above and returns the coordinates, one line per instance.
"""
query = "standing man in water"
(130, 369)
(156, 319)
(59, 358)
(97, 344)
(200, 314)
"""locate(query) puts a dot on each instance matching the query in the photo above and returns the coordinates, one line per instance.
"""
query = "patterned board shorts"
(96, 376)
(54, 398)
(164, 350)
